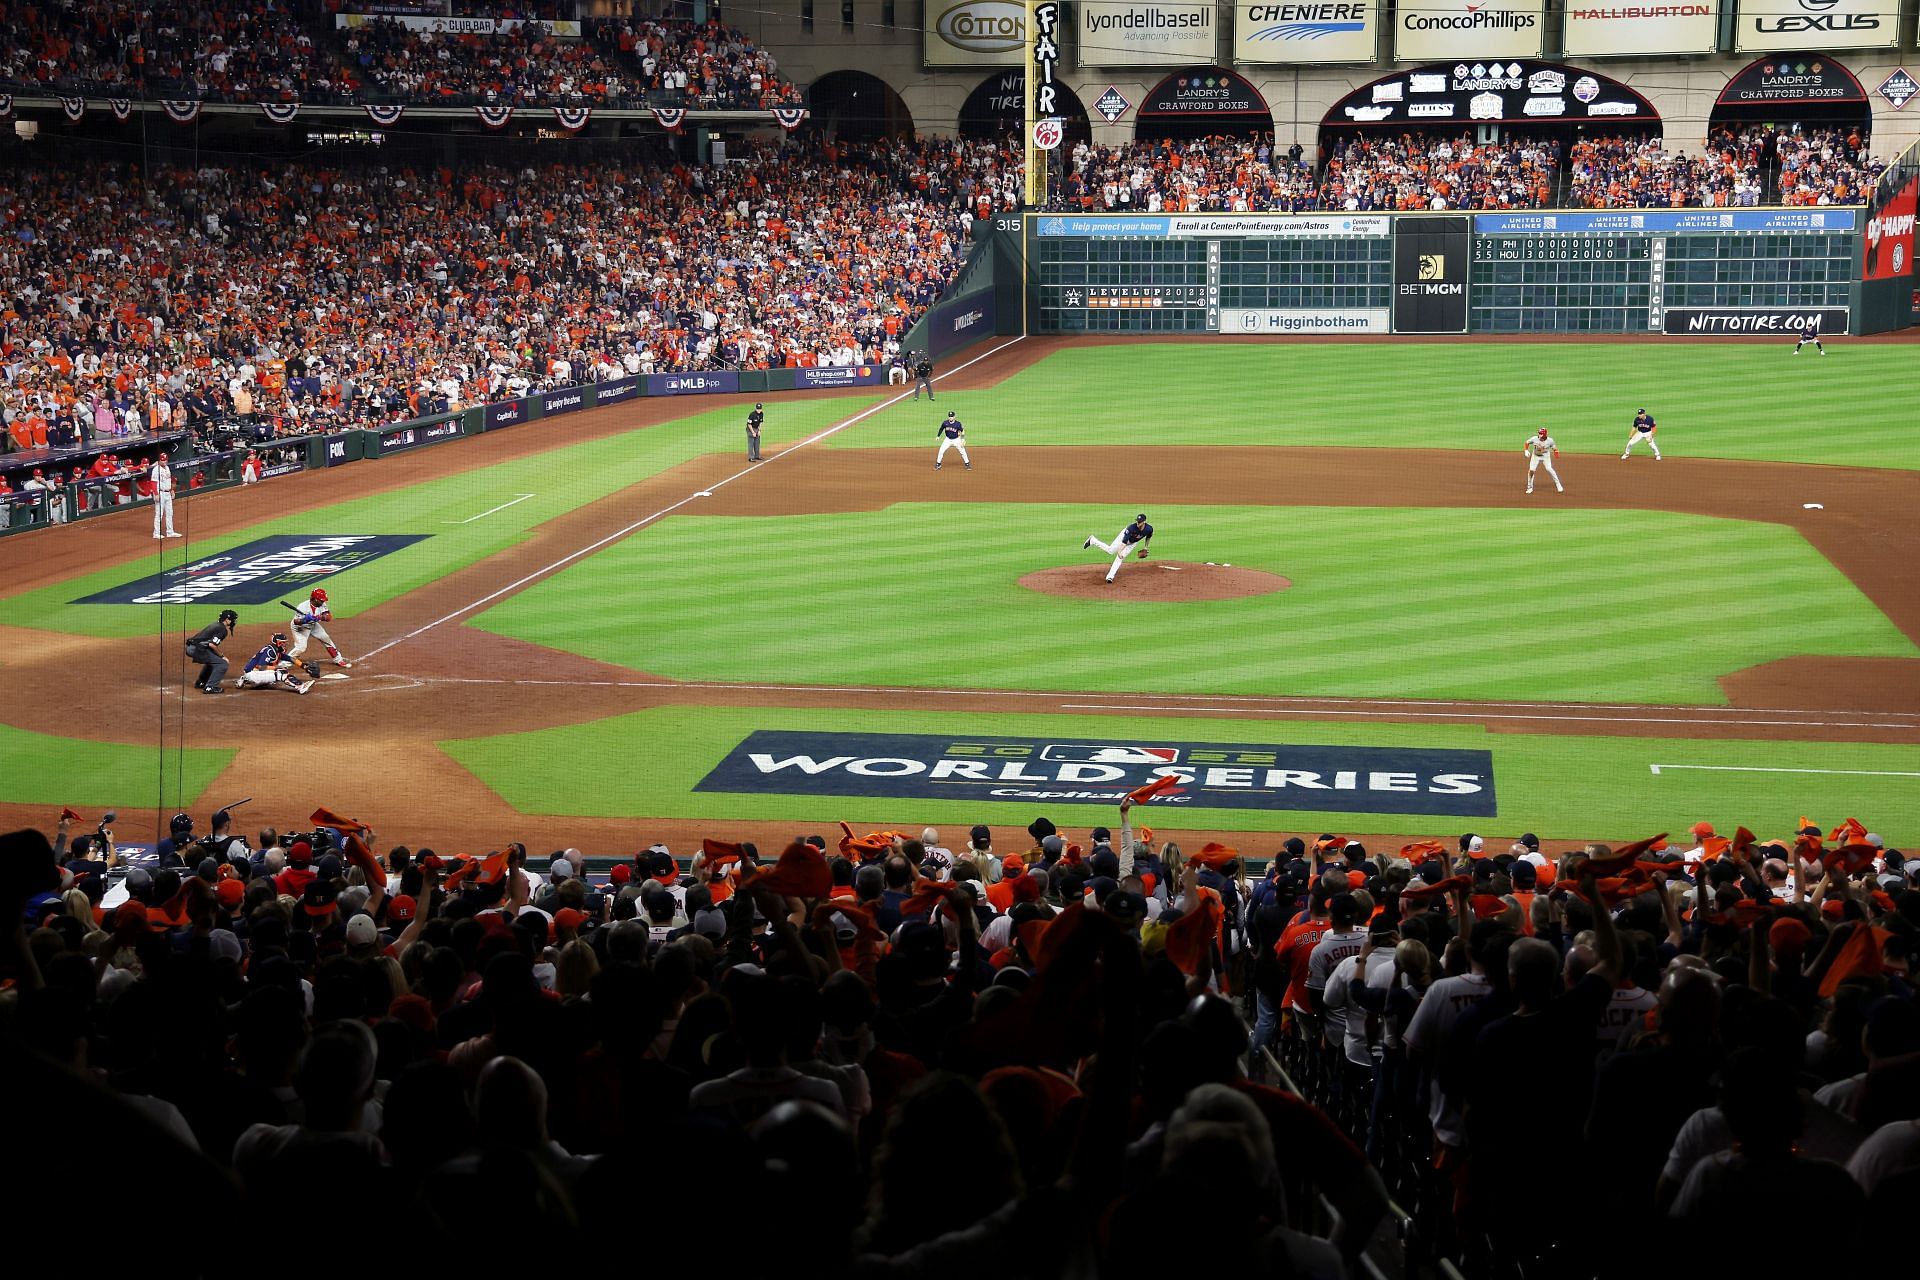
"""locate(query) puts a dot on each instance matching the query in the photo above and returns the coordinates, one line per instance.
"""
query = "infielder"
(264, 670)
(952, 436)
(162, 476)
(1810, 332)
(1643, 429)
(755, 421)
(309, 622)
(1540, 452)
(1135, 536)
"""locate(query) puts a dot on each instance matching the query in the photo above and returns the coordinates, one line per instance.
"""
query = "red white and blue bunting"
(73, 109)
(384, 114)
(280, 112)
(121, 108)
(670, 118)
(573, 119)
(181, 110)
(494, 117)
(790, 118)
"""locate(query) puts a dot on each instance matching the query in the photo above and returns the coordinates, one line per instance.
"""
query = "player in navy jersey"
(1810, 332)
(1134, 537)
(1643, 429)
(952, 436)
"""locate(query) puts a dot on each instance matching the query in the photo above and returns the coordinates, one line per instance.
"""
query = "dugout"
(1203, 102)
(1492, 101)
(997, 109)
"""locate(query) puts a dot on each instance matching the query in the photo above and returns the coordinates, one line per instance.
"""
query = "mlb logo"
(1109, 753)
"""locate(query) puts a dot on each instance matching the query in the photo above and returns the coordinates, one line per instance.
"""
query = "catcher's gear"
(311, 668)
(280, 638)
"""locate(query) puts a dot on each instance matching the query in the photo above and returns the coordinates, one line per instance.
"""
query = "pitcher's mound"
(1168, 581)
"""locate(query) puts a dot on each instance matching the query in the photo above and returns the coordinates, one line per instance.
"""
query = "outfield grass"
(1496, 604)
(1712, 401)
(647, 764)
(39, 768)
(560, 480)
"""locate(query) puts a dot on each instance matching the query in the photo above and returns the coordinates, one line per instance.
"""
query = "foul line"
(644, 521)
(519, 498)
(1754, 768)
(1490, 715)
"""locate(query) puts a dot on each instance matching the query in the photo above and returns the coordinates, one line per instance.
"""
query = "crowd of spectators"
(907, 1053)
(313, 298)
(291, 50)
(1377, 171)
(1826, 166)
(1810, 167)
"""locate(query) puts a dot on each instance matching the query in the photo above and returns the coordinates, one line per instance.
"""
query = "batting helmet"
(320, 594)
(1141, 516)
(1543, 432)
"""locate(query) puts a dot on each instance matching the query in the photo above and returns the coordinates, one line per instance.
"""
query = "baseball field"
(610, 629)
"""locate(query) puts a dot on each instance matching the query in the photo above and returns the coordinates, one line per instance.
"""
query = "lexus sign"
(1817, 24)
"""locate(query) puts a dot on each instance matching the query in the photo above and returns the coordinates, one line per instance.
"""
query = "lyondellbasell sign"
(1029, 771)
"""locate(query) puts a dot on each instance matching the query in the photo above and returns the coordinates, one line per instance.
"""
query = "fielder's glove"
(311, 668)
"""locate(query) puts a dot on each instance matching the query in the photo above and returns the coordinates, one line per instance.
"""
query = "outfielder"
(952, 436)
(1135, 536)
(1643, 429)
(162, 476)
(1810, 332)
(264, 670)
(1541, 451)
(309, 622)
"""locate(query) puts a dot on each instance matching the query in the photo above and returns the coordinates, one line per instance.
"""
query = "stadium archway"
(997, 108)
(1793, 88)
(1203, 102)
(857, 105)
(1535, 99)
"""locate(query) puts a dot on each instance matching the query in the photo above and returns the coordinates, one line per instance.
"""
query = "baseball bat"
(285, 605)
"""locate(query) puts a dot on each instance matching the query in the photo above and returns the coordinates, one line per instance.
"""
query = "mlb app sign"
(1212, 775)
(258, 572)
(1341, 31)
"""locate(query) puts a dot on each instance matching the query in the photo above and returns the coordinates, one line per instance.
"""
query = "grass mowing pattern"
(1473, 604)
(562, 479)
(1711, 400)
(42, 769)
(646, 765)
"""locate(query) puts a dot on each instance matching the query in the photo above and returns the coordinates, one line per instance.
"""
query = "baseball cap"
(1052, 845)
(981, 831)
(1531, 840)
(1124, 905)
(208, 870)
(230, 893)
(1475, 844)
(1011, 867)
(569, 918)
(560, 870)
(401, 908)
(1699, 829)
(621, 874)
(318, 898)
(361, 932)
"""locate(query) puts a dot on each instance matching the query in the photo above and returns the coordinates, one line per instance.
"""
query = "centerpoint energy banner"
(1212, 775)
(1344, 31)
(973, 33)
(1144, 33)
(1817, 24)
(1448, 29)
(1621, 28)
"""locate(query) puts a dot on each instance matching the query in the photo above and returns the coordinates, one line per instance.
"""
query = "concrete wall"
(1681, 89)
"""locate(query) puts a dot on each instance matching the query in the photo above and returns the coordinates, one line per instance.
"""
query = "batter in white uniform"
(1134, 537)
(1541, 451)
(162, 476)
(310, 622)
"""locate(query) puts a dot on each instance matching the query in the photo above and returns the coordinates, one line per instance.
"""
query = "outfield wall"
(1659, 272)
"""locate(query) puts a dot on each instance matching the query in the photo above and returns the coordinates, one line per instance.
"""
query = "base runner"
(1134, 537)
(1643, 429)
(1540, 451)
(272, 668)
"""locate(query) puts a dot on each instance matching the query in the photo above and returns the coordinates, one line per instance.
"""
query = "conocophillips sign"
(973, 33)
(1449, 29)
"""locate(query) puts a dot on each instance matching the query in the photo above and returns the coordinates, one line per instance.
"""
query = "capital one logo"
(1817, 18)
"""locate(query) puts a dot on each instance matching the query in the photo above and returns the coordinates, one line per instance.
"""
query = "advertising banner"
(413, 435)
(339, 449)
(720, 381)
(1212, 775)
(961, 323)
(1344, 31)
(864, 375)
(1820, 24)
(1782, 322)
(565, 400)
(458, 26)
(1430, 275)
(1368, 320)
(1622, 28)
(507, 413)
(1890, 235)
(1791, 79)
(1515, 91)
(1450, 29)
(1148, 33)
(1311, 226)
(1669, 220)
(973, 33)
(614, 390)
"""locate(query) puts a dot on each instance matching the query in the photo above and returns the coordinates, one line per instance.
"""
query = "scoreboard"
(1677, 271)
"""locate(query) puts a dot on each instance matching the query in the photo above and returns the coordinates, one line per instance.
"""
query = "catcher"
(272, 668)
(309, 621)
